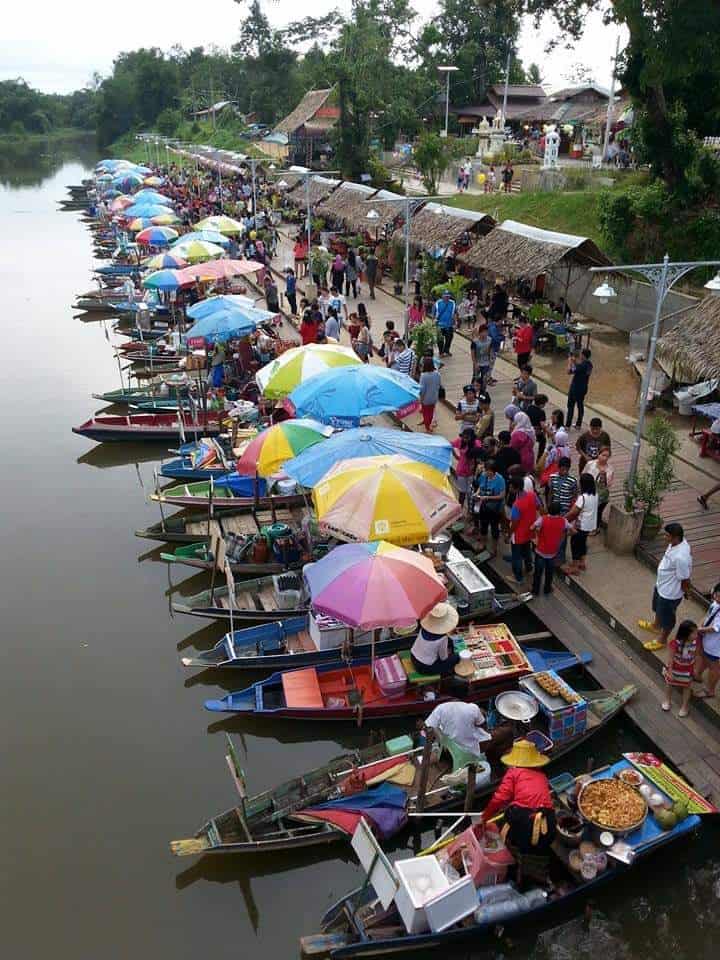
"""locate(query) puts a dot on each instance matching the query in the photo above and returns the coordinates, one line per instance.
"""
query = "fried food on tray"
(612, 804)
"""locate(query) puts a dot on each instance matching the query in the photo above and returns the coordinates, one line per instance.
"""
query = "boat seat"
(419, 679)
(302, 688)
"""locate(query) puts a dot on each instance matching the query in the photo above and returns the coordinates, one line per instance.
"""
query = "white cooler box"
(427, 900)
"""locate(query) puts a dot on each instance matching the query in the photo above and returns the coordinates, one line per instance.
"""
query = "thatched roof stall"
(348, 206)
(320, 188)
(313, 101)
(388, 213)
(517, 250)
(692, 348)
(437, 225)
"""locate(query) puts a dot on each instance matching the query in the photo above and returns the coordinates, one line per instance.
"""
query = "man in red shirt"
(523, 341)
(524, 797)
(551, 529)
(523, 515)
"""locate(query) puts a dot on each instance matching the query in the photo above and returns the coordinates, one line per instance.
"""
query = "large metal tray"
(553, 704)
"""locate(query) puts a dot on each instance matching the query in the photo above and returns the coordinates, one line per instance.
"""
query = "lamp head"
(604, 292)
(714, 285)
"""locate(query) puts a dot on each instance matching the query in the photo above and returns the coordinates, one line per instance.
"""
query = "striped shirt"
(404, 361)
(562, 490)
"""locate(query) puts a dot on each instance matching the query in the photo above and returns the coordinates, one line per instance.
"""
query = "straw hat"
(442, 619)
(407, 631)
(465, 666)
(524, 754)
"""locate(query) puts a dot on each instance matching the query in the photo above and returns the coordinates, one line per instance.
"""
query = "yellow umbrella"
(220, 223)
(196, 251)
(385, 498)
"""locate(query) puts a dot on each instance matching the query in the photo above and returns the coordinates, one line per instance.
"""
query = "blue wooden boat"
(182, 469)
(358, 925)
(119, 269)
(337, 689)
(286, 645)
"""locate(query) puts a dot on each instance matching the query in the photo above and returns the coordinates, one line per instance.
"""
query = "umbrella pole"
(375, 639)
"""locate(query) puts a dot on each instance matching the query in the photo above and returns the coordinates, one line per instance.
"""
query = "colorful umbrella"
(127, 180)
(270, 449)
(343, 395)
(370, 585)
(140, 223)
(226, 269)
(222, 224)
(156, 236)
(279, 377)
(153, 181)
(163, 219)
(225, 324)
(163, 280)
(167, 261)
(385, 498)
(195, 251)
(212, 236)
(228, 301)
(311, 465)
(121, 203)
(153, 196)
(143, 209)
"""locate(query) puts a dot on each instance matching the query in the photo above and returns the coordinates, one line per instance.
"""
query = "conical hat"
(524, 754)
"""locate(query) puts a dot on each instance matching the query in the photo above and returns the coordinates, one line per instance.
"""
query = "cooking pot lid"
(514, 705)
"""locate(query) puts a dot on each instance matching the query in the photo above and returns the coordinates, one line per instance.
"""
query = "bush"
(654, 478)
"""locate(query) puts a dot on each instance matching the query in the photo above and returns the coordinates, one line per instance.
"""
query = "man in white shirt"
(709, 655)
(671, 585)
(337, 300)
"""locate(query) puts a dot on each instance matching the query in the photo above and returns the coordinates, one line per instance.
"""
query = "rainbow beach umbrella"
(156, 236)
(165, 261)
(296, 365)
(270, 449)
(385, 498)
(370, 585)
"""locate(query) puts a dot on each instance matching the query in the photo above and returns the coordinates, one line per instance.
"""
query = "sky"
(70, 41)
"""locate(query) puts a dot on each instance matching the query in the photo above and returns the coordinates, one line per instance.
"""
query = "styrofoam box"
(423, 885)
(330, 639)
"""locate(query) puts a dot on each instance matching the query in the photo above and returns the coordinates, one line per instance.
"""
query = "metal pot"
(514, 705)
(440, 544)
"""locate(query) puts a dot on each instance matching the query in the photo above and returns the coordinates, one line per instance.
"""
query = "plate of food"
(612, 805)
(631, 777)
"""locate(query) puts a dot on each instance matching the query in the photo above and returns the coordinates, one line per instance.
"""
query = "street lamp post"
(663, 277)
(447, 70)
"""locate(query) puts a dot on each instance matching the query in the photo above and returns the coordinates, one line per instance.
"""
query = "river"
(107, 752)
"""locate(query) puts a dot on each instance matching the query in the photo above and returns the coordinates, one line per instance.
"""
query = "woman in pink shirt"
(465, 450)
(522, 439)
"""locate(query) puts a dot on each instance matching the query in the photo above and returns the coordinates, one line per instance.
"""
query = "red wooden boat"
(161, 427)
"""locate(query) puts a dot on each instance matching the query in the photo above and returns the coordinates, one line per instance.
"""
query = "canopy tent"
(438, 225)
(518, 250)
(691, 350)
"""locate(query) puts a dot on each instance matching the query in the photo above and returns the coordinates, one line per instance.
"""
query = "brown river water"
(107, 753)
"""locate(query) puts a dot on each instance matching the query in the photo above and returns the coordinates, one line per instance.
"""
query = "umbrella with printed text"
(385, 498)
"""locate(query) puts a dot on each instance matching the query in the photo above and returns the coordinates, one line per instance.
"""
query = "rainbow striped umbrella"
(270, 449)
(280, 377)
(195, 251)
(385, 498)
(140, 223)
(121, 202)
(370, 585)
(164, 261)
(156, 236)
(162, 280)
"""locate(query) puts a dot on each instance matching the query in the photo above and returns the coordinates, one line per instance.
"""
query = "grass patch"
(51, 136)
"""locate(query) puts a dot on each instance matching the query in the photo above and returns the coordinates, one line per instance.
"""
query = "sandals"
(653, 645)
(683, 713)
(665, 705)
(703, 502)
(703, 694)
(648, 625)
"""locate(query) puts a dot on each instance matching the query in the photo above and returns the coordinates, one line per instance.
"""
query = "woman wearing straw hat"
(524, 797)
(433, 651)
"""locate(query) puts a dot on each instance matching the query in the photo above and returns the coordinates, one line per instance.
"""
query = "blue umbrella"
(209, 236)
(314, 462)
(211, 305)
(343, 395)
(145, 210)
(225, 324)
(152, 196)
(162, 280)
(127, 179)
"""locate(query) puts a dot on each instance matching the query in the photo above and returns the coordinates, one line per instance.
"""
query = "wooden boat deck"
(245, 524)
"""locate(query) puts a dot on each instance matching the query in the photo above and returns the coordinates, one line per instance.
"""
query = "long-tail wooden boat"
(132, 396)
(147, 427)
(358, 925)
(272, 821)
(339, 691)
(286, 645)
(231, 490)
(192, 527)
(182, 468)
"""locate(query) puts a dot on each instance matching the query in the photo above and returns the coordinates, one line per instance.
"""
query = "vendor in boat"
(525, 799)
(464, 723)
(433, 650)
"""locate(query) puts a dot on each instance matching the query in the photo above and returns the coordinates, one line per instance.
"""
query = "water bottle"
(497, 912)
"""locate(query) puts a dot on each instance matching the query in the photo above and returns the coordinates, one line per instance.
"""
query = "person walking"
(671, 585)
(522, 439)
(351, 274)
(678, 672)
(481, 351)
(429, 393)
(291, 290)
(580, 369)
(338, 272)
(444, 312)
(709, 654)
(523, 341)
(371, 272)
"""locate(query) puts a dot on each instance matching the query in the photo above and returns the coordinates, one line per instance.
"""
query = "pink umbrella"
(370, 585)
(221, 269)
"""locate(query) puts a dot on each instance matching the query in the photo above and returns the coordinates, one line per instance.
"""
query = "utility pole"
(507, 81)
(608, 119)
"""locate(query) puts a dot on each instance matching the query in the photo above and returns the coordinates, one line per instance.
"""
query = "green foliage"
(654, 477)
(424, 337)
(455, 285)
(397, 261)
(26, 110)
(541, 311)
(168, 122)
(432, 272)
(432, 160)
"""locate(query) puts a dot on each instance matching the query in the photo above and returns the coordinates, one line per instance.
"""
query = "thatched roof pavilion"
(320, 188)
(349, 206)
(518, 250)
(437, 225)
(691, 350)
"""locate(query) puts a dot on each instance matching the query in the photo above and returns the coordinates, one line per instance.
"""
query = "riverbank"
(61, 135)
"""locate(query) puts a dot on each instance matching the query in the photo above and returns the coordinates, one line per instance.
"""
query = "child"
(681, 660)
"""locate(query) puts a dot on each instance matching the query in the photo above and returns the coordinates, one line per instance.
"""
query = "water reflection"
(29, 163)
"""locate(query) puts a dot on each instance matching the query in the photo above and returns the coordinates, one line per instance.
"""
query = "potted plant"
(624, 523)
(433, 270)
(319, 263)
(397, 267)
(423, 338)
(455, 285)
(654, 478)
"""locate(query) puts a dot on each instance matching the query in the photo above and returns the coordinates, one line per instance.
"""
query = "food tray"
(551, 704)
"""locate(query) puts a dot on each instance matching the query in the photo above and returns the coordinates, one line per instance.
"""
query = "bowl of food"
(631, 777)
(610, 804)
(570, 829)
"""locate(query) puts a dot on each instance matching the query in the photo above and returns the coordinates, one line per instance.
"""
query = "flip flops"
(665, 706)
(653, 645)
(648, 625)
(702, 694)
